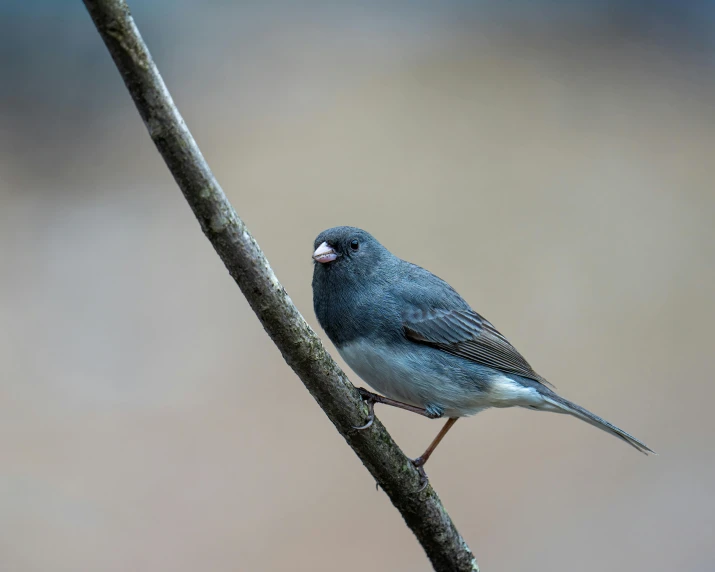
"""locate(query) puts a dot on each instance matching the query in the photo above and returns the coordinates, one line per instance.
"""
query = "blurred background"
(553, 161)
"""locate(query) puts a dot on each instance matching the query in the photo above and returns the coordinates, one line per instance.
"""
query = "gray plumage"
(414, 339)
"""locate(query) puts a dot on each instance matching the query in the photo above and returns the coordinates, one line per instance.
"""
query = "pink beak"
(324, 254)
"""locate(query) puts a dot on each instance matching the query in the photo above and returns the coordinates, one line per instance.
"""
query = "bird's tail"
(559, 404)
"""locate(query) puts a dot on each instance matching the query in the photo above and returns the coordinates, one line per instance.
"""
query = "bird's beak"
(324, 253)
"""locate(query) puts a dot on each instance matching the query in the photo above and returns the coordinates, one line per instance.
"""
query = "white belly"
(398, 373)
(390, 373)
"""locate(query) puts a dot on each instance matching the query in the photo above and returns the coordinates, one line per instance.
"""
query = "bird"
(410, 336)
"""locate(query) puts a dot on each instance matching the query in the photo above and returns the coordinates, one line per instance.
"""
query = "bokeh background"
(553, 161)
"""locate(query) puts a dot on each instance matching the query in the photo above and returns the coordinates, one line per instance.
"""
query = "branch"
(301, 348)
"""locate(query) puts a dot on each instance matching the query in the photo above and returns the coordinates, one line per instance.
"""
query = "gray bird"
(412, 338)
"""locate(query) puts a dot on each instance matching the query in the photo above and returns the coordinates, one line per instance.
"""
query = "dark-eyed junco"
(409, 335)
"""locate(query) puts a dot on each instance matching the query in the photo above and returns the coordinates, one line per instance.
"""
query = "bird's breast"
(388, 368)
(348, 311)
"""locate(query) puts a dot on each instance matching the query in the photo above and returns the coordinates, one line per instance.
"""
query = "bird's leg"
(420, 461)
(371, 399)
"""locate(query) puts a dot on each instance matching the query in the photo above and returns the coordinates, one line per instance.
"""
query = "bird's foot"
(433, 412)
(370, 400)
(419, 464)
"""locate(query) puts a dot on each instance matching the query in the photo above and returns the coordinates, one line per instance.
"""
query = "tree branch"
(301, 348)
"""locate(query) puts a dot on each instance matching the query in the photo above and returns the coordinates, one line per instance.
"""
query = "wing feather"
(466, 334)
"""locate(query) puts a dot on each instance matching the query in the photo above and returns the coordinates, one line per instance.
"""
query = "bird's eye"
(354, 244)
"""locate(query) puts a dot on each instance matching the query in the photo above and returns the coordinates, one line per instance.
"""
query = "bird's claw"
(424, 479)
(369, 400)
(433, 413)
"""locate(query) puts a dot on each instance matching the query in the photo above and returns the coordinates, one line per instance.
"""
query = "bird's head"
(346, 249)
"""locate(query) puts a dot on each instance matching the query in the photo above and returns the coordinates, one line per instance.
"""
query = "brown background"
(556, 168)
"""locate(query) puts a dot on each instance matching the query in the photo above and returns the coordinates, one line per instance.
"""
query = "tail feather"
(565, 406)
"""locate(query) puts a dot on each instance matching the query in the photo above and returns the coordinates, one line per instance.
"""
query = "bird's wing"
(466, 334)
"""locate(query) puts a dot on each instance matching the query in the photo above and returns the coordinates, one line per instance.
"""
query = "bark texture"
(301, 348)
